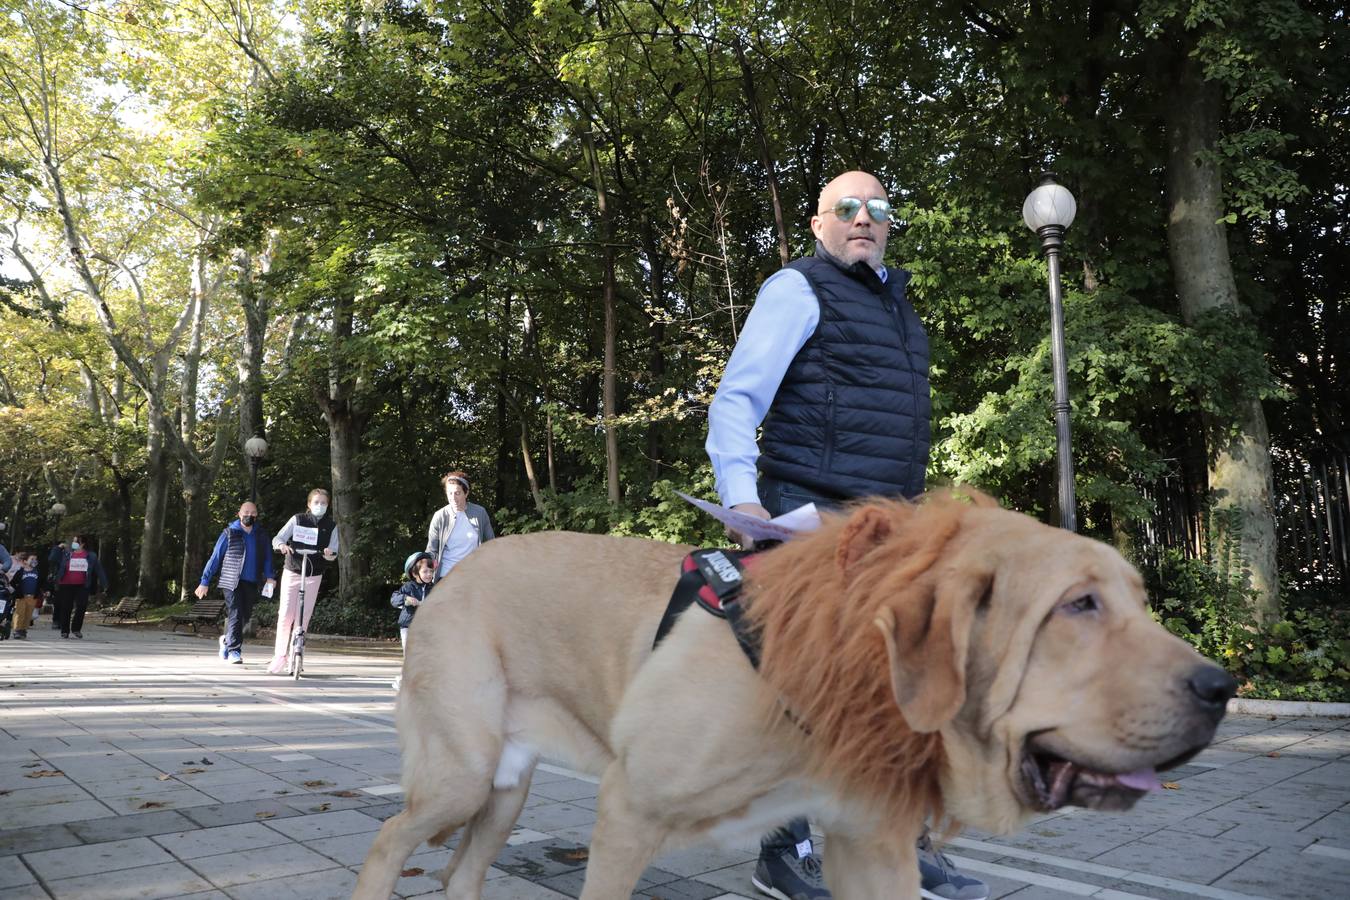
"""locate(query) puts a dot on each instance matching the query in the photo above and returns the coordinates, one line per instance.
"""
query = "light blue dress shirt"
(783, 318)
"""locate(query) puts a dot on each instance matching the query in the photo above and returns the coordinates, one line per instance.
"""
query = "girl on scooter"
(312, 529)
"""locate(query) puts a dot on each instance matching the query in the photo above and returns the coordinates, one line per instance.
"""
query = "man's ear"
(867, 529)
(927, 639)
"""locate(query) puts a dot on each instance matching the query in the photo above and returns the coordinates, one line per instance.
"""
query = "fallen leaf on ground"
(192, 772)
(207, 762)
(45, 773)
(1171, 785)
(415, 870)
(264, 815)
(344, 793)
(323, 807)
(151, 804)
(163, 777)
(317, 783)
(32, 765)
(1274, 754)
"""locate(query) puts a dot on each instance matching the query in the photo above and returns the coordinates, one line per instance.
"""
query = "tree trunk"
(255, 305)
(344, 443)
(656, 282)
(765, 156)
(1239, 469)
(149, 585)
(608, 387)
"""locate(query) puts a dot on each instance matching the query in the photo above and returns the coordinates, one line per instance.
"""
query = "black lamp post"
(255, 448)
(1049, 211)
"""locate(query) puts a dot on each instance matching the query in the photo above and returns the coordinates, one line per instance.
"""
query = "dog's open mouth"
(1051, 782)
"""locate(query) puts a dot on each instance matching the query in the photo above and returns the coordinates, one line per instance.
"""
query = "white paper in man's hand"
(782, 528)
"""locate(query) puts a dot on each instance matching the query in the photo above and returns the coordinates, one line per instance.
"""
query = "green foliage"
(431, 233)
(1305, 656)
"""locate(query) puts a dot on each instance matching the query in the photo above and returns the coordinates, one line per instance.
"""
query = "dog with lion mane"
(946, 659)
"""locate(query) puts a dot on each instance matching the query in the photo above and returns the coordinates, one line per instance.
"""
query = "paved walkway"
(136, 764)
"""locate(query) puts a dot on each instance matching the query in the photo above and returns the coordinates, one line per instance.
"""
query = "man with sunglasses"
(833, 362)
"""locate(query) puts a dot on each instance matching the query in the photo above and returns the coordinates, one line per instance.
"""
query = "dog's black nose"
(1212, 686)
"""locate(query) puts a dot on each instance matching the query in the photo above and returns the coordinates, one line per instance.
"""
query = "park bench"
(203, 612)
(128, 608)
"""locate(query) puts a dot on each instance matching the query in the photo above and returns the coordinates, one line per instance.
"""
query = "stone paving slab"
(166, 774)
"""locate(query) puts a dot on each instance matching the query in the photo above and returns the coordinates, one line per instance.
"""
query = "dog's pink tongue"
(1143, 780)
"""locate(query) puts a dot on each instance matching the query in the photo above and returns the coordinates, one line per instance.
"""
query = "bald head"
(859, 237)
(863, 185)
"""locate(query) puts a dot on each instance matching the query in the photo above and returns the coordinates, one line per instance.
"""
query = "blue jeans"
(239, 606)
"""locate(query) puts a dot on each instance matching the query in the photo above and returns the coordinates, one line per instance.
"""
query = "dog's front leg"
(867, 868)
(622, 843)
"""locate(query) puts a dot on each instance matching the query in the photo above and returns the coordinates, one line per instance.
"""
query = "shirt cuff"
(740, 489)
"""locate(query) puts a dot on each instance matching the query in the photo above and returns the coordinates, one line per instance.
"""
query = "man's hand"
(411, 601)
(271, 582)
(749, 509)
(200, 592)
(329, 554)
(285, 549)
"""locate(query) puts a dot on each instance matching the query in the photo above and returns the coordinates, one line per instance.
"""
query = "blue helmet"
(413, 560)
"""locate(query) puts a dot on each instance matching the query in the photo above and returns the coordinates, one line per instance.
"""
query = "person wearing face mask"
(241, 559)
(75, 574)
(457, 528)
(27, 585)
(313, 529)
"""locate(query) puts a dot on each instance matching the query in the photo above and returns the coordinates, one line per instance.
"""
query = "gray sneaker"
(788, 876)
(940, 880)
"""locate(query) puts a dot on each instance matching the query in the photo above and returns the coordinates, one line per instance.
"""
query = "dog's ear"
(867, 529)
(927, 639)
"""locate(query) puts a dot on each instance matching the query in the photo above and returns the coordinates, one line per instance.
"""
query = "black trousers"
(239, 606)
(71, 602)
(780, 497)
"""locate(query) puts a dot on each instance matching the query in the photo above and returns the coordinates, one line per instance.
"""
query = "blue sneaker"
(236, 658)
(223, 652)
(787, 876)
(940, 880)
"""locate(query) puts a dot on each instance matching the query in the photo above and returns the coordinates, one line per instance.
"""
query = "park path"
(136, 764)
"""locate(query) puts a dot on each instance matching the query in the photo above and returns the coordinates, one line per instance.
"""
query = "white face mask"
(318, 509)
(74, 545)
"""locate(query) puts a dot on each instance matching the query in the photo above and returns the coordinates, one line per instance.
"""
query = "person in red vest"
(76, 573)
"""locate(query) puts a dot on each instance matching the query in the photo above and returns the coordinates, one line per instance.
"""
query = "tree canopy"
(519, 238)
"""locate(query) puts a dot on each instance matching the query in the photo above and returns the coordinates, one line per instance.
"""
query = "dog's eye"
(1084, 604)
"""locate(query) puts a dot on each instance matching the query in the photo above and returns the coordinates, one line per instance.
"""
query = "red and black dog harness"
(713, 580)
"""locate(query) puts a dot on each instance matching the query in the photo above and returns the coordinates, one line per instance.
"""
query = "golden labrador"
(946, 659)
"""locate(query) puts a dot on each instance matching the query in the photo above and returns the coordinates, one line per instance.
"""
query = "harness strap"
(713, 579)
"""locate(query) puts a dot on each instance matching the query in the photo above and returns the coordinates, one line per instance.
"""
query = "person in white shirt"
(459, 527)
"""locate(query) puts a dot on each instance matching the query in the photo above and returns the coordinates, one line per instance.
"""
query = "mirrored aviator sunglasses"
(847, 207)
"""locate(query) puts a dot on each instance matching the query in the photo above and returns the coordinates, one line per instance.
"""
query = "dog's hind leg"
(486, 834)
(623, 842)
(445, 790)
(402, 834)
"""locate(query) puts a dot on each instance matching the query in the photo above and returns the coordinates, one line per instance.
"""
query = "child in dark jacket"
(420, 570)
(27, 588)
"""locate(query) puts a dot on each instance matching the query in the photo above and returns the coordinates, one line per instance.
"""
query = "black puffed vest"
(851, 418)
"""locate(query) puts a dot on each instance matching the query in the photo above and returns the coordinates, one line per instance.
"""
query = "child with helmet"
(420, 570)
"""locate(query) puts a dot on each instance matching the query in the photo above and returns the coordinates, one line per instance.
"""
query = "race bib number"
(303, 535)
(79, 564)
